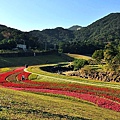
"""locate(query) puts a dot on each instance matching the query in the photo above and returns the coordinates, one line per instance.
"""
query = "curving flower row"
(103, 97)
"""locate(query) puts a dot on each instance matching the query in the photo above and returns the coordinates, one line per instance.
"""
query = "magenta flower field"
(103, 97)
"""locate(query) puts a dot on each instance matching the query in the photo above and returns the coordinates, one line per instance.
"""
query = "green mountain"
(84, 41)
(75, 27)
(52, 37)
(103, 30)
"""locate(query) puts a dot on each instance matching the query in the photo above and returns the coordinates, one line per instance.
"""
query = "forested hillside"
(75, 27)
(104, 30)
(83, 41)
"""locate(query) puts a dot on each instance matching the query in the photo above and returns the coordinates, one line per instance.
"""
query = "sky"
(27, 15)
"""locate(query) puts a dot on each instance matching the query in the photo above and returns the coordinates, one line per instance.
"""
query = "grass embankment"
(37, 60)
(28, 106)
(4, 70)
(40, 75)
(77, 56)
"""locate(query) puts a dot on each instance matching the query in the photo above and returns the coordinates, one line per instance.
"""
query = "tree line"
(110, 54)
(83, 41)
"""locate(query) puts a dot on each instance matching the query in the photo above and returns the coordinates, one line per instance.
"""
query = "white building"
(22, 46)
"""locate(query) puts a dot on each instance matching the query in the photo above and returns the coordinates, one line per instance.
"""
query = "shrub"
(79, 63)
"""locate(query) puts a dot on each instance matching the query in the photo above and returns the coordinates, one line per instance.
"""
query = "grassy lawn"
(40, 75)
(99, 68)
(43, 106)
(77, 56)
(4, 69)
(27, 106)
(37, 60)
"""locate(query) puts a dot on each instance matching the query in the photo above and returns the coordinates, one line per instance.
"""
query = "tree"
(98, 55)
(79, 63)
(110, 52)
(60, 47)
(112, 55)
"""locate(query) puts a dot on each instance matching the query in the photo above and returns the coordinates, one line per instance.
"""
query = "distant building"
(22, 46)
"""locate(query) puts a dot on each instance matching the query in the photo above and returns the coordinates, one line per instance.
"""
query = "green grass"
(33, 76)
(98, 68)
(77, 56)
(27, 106)
(30, 106)
(4, 69)
(37, 60)
(47, 76)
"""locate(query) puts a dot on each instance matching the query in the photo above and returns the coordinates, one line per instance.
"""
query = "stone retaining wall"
(102, 76)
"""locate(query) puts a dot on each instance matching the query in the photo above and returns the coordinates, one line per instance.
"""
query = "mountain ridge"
(75, 27)
(101, 31)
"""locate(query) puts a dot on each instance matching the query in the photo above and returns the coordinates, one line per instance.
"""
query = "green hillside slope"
(104, 30)
(83, 41)
(27, 106)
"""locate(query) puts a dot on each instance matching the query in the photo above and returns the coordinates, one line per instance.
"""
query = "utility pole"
(54, 46)
(45, 46)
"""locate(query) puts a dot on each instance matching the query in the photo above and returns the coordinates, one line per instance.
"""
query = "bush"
(92, 62)
(79, 63)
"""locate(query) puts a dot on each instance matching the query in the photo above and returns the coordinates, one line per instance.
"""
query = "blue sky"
(27, 15)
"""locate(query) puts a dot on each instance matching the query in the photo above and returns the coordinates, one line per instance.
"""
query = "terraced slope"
(104, 97)
(19, 105)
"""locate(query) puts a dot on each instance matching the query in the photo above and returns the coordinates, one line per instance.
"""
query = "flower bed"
(26, 74)
(3, 76)
(101, 102)
(103, 97)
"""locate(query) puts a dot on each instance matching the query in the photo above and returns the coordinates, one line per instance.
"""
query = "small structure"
(22, 46)
(34, 54)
